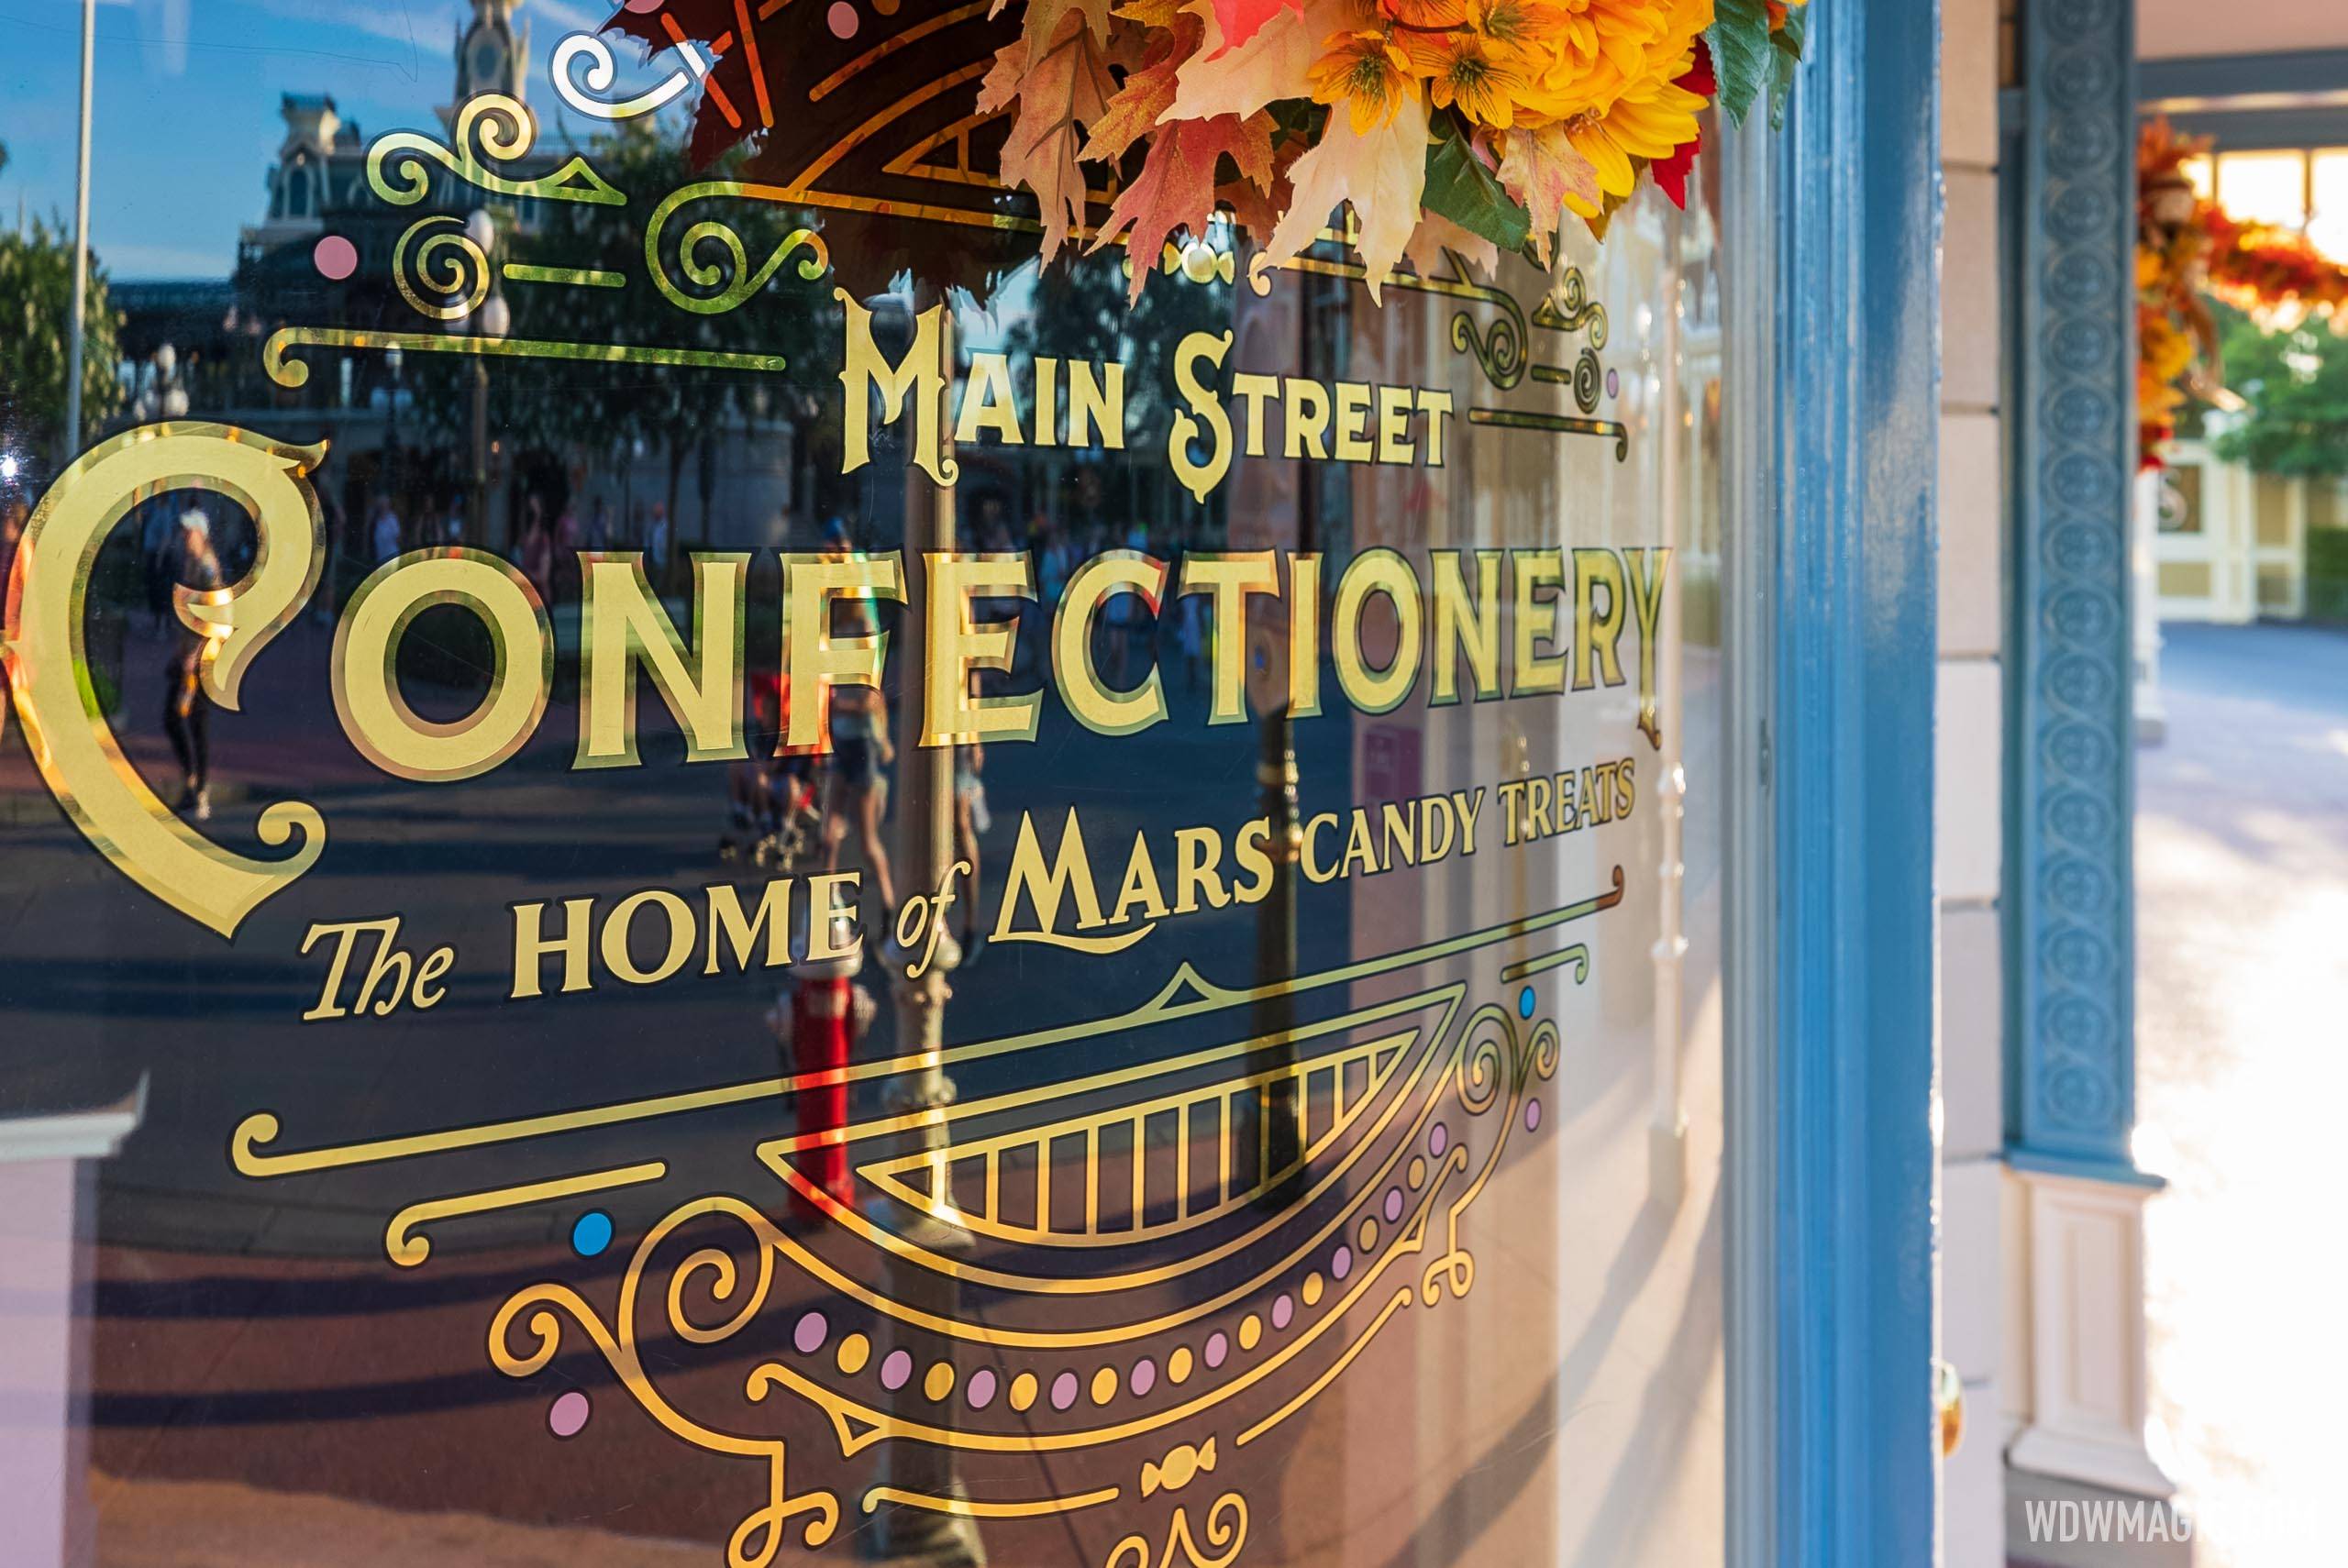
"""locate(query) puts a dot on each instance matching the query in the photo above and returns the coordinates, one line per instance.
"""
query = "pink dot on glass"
(1218, 1347)
(809, 1334)
(1143, 1378)
(842, 18)
(1438, 1140)
(335, 258)
(898, 1367)
(980, 1388)
(568, 1415)
(1533, 1116)
(1283, 1310)
(1342, 1264)
(1393, 1204)
(1063, 1390)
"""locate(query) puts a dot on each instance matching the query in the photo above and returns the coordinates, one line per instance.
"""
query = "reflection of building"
(2230, 544)
(399, 426)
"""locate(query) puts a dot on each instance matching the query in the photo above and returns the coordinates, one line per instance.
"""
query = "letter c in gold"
(43, 646)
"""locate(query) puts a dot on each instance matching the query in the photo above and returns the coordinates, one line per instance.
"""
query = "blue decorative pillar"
(2071, 1102)
(2071, 1095)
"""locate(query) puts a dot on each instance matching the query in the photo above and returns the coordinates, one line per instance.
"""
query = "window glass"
(2265, 187)
(2329, 224)
(749, 878)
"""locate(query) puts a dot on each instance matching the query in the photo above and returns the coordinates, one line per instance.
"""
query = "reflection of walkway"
(2242, 842)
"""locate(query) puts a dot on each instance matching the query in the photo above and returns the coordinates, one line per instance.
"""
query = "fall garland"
(2190, 249)
(1473, 124)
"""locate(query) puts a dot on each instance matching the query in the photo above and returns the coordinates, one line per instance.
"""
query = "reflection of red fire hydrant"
(817, 1019)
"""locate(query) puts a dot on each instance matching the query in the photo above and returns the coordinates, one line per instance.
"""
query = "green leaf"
(1743, 55)
(1460, 188)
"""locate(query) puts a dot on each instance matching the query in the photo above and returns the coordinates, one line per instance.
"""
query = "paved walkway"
(2241, 846)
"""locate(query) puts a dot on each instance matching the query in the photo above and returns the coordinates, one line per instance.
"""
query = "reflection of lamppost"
(924, 851)
(492, 320)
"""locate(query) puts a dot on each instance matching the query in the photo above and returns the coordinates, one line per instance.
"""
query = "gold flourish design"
(437, 253)
(493, 127)
(404, 1247)
(1225, 1533)
(1569, 308)
(276, 354)
(732, 256)
(539, 1311)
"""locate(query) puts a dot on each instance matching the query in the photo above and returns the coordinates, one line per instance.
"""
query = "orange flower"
(1427, 15)
(1649, 121)
(1518, 25)
(1464, 69)
(1366, 71)
(1596, 51)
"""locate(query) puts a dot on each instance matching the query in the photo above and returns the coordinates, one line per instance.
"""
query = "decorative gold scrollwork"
(734, 257)
(437, 254)
(491, 126)
(1225, 1533)
(539, 1311)
(1590, 379)
(1569, 308)
(1497, 348)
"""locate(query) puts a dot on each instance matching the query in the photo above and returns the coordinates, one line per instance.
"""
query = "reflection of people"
(157, 546)
(860, 750)
(969, 820)
(534, 554)
(383, 533)
(187, 711)
(656, 544)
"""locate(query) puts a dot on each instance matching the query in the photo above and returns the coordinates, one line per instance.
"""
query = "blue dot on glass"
(1524, 1002)
(591, 1235)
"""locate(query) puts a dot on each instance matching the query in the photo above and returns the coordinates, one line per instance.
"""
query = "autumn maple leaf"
(1058, 89)
(1147, 92)
(1437, 240)
(1042, 20)
(1382, 172)
(1176, 187)
(1548, 174)
(1221, 78)
(1242, 19)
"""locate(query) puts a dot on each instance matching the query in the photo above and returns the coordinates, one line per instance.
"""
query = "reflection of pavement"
(2242, 844)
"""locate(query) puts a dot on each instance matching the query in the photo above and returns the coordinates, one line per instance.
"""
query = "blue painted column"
(1850, 1231)
(2071, 1083)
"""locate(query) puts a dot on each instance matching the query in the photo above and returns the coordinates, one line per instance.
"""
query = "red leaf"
(1241, 19)
(1175, 186)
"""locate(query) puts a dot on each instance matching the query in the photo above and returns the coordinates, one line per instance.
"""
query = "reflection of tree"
(605, 409)
(36, 313)
(1080, 313)
(2297, 385)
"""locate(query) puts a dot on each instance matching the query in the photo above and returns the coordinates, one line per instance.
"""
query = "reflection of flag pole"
(80, 241)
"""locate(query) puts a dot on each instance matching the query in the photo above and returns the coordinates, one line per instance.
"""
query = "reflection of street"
(2242, 844)
(254, 1332)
